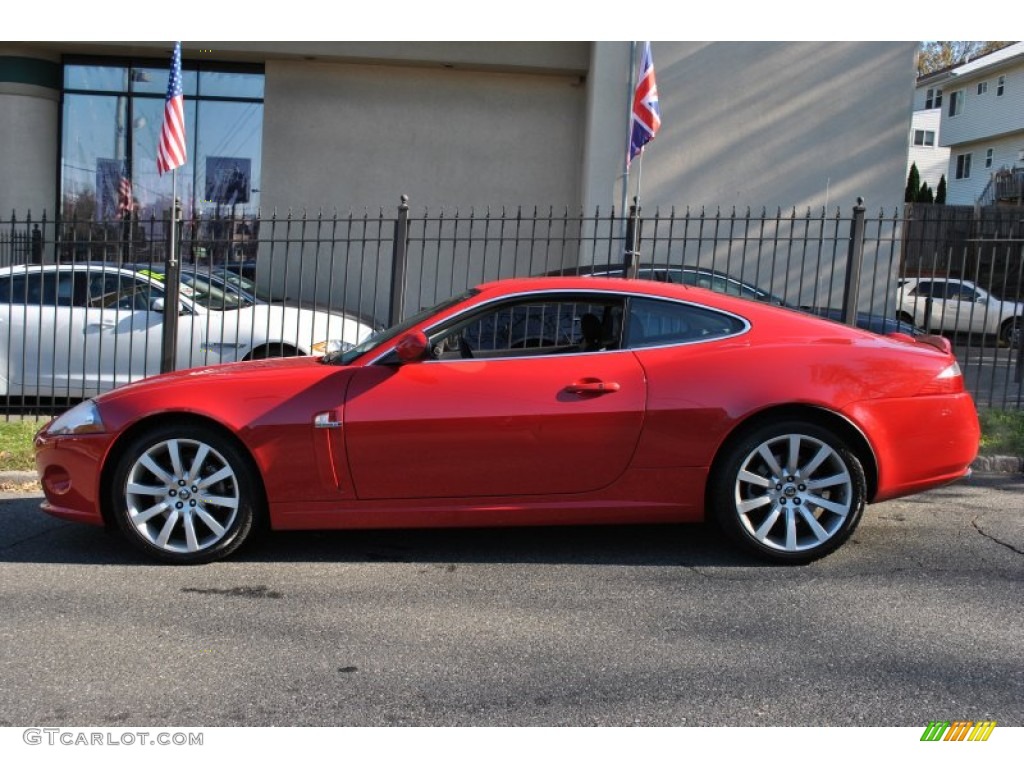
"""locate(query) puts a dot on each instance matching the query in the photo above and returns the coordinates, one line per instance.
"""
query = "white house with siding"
(982, 121)
(926, 150)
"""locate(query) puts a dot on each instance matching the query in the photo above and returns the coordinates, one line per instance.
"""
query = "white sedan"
(75, 330)
(952, 305)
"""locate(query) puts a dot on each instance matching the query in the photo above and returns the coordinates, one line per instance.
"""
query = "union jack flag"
(646, 118)
(170, 152)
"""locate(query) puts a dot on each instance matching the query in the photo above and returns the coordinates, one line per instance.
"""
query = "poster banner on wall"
(228, 180)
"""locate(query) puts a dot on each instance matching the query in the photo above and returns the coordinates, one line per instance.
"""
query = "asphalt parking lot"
(918, 618)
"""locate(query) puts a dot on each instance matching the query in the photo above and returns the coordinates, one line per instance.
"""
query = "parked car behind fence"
(75, 330)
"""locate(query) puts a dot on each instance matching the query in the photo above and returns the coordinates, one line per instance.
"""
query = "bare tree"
(940, 54)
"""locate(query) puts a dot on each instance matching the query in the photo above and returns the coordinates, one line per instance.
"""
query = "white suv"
(75, 330)
(959, 306)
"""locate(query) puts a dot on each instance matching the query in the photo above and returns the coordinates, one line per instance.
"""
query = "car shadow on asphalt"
(28, 536)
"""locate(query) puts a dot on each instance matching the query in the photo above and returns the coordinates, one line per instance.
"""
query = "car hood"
(308, 326)
(237, 395)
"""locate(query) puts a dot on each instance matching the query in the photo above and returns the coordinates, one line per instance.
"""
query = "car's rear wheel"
(185, 494)
(791, 492)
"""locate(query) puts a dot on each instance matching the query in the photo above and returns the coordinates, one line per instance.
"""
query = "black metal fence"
(89, 317)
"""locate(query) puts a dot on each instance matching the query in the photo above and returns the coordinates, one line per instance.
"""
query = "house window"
(988, 158)
(956, 103)
(1000, 85)
(924, 138)
(933, 98)
(963, 166)
(983, 87)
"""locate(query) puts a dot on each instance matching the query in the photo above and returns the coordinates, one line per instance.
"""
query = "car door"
(119, 320)
(516, 402)
(35, 315)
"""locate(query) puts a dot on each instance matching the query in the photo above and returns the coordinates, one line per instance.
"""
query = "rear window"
(654, 322)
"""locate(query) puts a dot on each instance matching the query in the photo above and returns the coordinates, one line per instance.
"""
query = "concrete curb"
(998, 464)
(15, 477)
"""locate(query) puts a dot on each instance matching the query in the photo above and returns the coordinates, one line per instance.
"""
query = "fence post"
(631, 255)
(169, 339)
(399, 262)
(854, 262)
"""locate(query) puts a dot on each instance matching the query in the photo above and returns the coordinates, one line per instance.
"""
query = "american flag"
(124, 197)
(170, 152)
(646, 118)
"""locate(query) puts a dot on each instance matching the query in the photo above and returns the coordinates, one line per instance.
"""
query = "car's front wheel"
(1010, 332)
(185, 494)
(791, 492)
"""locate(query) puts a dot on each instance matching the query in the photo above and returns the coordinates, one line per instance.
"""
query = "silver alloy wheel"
(182, 496)
(793, 493)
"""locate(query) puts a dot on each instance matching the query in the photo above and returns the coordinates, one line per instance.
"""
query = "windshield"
(384, 336)
(243, 284)
(208, 290)
(212, 293)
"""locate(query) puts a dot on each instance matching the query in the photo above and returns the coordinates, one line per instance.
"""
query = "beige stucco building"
(354, 125)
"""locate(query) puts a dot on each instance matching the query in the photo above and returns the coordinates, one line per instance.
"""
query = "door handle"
(592, 387)
(106, 324)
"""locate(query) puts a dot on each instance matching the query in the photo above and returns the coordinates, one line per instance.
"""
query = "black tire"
(186, 494)
(791, 492)
(1010, 332)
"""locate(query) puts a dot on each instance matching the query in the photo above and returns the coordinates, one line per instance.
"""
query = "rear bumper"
(920, 442)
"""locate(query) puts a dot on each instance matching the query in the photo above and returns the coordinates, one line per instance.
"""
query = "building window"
(924, 138)
(956, 103)
(933, 98)
(112, 117)
(988, 158)
(1020, 156)
(1000, 85)
(983, 87)
(963, 166)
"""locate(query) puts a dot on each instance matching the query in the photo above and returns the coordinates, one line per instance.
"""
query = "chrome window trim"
(583, 291)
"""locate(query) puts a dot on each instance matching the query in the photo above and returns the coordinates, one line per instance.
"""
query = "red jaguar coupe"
(541, 401)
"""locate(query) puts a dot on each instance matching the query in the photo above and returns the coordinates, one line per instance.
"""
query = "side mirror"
(412, 347)
(158, 305)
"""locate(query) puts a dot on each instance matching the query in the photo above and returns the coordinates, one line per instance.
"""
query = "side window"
(118, 291)
(923, 289)
(559, 325)
(654, 322)
(28, 289)
(6, 290)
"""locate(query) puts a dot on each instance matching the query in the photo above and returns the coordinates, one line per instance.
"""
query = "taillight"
(949, 381)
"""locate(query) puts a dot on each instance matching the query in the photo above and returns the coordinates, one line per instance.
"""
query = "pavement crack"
(990, 537)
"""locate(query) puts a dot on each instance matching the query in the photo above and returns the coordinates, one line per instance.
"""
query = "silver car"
(75, 330)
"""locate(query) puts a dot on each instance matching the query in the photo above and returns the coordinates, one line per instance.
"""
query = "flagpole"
(644, 122)
(169, 338)
(171, 153)
(629, 127)
(639, 178)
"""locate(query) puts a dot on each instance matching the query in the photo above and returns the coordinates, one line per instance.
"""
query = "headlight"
(83, 419)
(322, 348)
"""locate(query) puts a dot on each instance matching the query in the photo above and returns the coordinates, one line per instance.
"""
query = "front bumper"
(69, 469)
